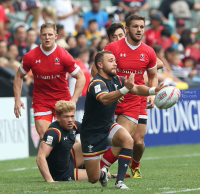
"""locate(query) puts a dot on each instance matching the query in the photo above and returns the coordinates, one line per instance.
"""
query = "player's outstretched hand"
(150, 101)
(17, 108)
(129, 83)
(160, 87)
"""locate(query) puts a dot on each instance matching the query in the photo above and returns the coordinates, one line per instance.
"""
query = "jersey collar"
(48, 52)
(131, 46)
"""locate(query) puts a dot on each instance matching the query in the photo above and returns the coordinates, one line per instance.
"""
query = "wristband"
(152, 91)
(124, 90)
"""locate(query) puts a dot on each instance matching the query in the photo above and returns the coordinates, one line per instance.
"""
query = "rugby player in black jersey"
(98, 128)
(54, 159)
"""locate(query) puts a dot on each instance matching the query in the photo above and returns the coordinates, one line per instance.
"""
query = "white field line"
(20, 169)
(180, 191)
(145, 158)
(164, 157)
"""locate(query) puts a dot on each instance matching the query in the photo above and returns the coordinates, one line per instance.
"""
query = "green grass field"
(165, 170)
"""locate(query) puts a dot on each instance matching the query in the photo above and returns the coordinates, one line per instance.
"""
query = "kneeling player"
(98, 128)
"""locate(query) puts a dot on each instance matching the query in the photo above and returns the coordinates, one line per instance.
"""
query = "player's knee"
(128, 142)
(93, 179)
(139, 140)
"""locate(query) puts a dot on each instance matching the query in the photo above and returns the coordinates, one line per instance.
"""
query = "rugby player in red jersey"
(116, 32)
(49, 64)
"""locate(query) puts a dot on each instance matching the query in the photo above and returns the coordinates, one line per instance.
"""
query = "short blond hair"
(48, 25)
(64, 106)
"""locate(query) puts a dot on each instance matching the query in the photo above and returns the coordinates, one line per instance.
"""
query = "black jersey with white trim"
(62, 141)
(98, 117)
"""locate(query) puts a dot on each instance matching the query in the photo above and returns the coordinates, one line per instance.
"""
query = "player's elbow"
(105, 102)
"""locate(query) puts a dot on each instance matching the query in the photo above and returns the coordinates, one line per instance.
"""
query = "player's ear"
(100, 65)
(126, 28)
(56, 36)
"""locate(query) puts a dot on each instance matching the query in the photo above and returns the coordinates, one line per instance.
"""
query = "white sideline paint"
(179, 191)
(178, 156)
(20, 169)
(147, 158)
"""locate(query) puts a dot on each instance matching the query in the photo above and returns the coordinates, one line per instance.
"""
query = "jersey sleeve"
(26, 64)
(152, 61)
(98, 88)
(70, 64)
(77, 126)
(108, 48)
(52, 137)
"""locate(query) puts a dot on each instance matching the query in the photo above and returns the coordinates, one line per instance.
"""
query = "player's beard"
(132, 36)
(110, 73)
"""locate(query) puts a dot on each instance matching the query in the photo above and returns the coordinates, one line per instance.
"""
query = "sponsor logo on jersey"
(116, 86)
(129, 71)
(90, 148)
(65, 138)
(122, 54)
(97, 88)
(47, 76)
(142, 57)
(57, 61)
(49, 140)
(38, 61)
(74, 133)
(162, 95)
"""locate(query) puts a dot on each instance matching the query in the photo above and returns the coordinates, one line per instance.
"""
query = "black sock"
(123, 162)
(102, 175)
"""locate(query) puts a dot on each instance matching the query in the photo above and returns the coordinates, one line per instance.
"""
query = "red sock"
(134, 164)
(107, 159)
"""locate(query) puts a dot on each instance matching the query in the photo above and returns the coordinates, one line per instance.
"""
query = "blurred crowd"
(82, 31)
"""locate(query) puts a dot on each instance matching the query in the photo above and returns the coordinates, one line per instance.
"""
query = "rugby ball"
(167, 97)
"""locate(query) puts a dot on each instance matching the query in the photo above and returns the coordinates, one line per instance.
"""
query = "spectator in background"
(180, 8)
(61, 32)
(31, 38)
(33, 7)
(3, 5)
(165, 38)
(20, 41)
(169, 52)
(94, 41)
(92, 29)
(71, 41)
(79, 25)
(119, 15)
(81, 39)
(7, 33)
(84, 56)
(75, 52)
(13, 50)
(104, 41)
(180, 25)
(3, 48)
(153, 34)
(95, 13)
(133, 5)
(49, 14)
(65, 15)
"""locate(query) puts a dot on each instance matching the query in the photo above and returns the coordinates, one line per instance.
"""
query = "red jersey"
(153, 36)
(132, 59)
(49, 69)
(192, 52)
(2, 13)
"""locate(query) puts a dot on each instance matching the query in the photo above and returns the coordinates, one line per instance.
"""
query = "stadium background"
(177, 125)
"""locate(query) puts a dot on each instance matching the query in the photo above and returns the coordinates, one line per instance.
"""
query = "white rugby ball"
(167, 97)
